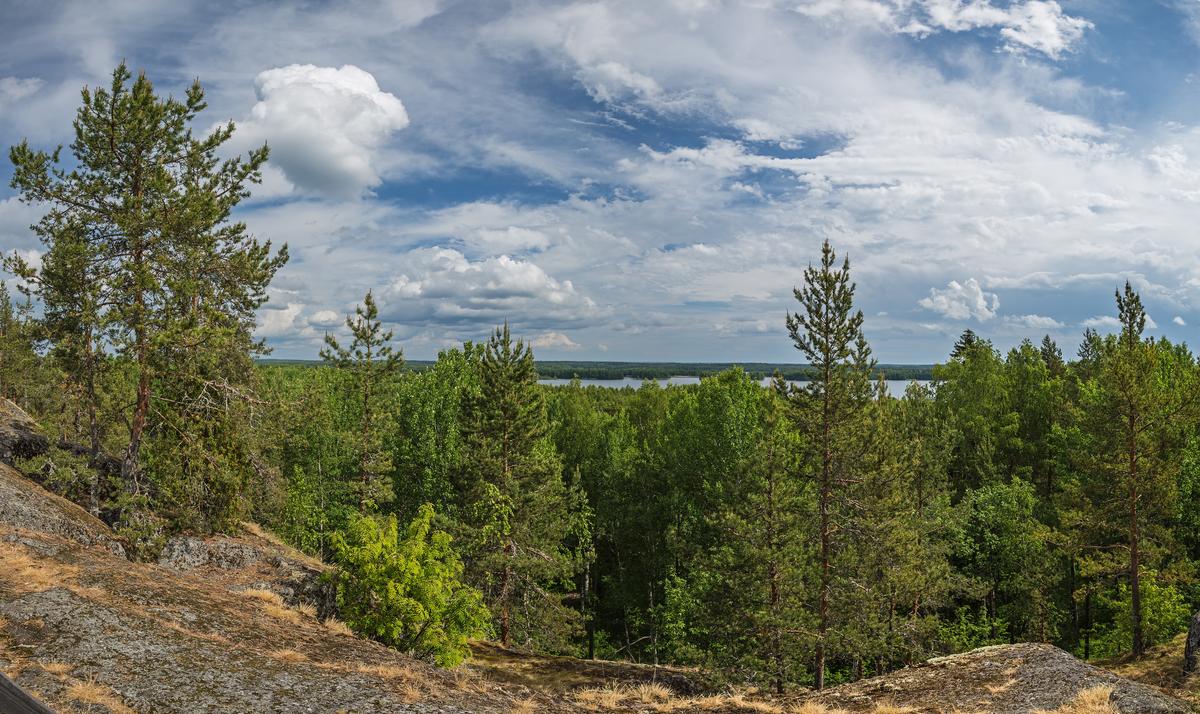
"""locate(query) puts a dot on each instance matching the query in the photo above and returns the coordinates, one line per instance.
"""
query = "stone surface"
(25, 505)
(19, 434)
(1002, 679)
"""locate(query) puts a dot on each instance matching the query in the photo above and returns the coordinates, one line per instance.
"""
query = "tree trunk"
(1192, 646)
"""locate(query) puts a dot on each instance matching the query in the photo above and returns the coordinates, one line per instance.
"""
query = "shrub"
(405, 589)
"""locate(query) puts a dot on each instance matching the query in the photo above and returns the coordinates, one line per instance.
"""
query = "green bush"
(1164, 615)
(405, 589)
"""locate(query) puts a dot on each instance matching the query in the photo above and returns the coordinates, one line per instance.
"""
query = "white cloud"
(14, 89)
(1111, 324)
(326, 126)
(1032, 25)
(276, 321)
(555, 341)
(441, 286)
(1179, 321)
(612, 81)
(962, 301)
(326, 318)
(1036, 322)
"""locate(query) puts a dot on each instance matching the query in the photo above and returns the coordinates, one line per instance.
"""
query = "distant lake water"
(895, 387)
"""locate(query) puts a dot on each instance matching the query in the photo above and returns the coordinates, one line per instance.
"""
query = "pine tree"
(372, 361)
(829, 411)
(1140, 389)
(143, 251)
(518, 509)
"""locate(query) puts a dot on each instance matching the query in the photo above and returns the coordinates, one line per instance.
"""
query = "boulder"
(20, 437)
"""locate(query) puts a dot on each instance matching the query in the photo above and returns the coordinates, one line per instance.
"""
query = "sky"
(633, 180)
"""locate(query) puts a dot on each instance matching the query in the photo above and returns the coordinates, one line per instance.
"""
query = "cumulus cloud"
(554, 341)
(279, 321)
(1179, 321)
(962, 301)
(442, 286)
(326, 125)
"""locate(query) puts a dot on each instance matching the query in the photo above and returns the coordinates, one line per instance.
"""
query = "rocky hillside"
(241, 624)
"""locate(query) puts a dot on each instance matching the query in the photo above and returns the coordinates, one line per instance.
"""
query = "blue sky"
(647, 180)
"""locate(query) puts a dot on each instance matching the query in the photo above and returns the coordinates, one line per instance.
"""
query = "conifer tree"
(146, 255)
(829, 410)
(964, 344)
(17, 355)
(518, 509)
(372, 361)
(1052, 356)
(1141, 387)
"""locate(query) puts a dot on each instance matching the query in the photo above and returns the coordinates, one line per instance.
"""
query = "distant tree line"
(558, 369)
(803, 534)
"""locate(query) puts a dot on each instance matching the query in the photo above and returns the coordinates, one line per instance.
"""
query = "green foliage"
(405, 589)
(372, 362)
(521, 510)
(144, 268)
(1165, 614)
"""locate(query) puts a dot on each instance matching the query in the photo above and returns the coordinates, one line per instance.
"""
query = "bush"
(1164, 615)
(405, 590)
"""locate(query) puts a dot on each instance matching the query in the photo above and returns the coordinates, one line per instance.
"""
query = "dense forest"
(799, 534)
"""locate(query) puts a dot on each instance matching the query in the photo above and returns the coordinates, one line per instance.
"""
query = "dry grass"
(412, 694)
(390, 672)
(272, 604)
(336, 626)
(527, 705)
(287, 655)
(650, 692)
(263, 595)
(30, 575)
(93, 693)
(58, 669)
(604, 697)
(741, 703)
(1089, 701)
(307, 609)
(813, 708)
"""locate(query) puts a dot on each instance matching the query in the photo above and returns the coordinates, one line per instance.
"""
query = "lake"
(895, 387)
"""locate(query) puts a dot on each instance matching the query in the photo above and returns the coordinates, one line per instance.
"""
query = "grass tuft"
(338, 627)
(93, 693)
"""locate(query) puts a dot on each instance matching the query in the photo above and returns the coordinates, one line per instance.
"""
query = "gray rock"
(26, 505)
(20, 437)
(1002, 679)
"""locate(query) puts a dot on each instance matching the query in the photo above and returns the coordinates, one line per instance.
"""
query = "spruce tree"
(372, 361)
(517, 507)
(829, 410)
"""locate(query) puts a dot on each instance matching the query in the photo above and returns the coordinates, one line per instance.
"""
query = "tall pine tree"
(830, 410)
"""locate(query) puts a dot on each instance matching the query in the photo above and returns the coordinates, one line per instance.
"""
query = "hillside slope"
(80, 624)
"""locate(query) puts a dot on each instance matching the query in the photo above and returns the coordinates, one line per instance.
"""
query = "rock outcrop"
(83, 628)
(19, 434)
(1002, 679)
